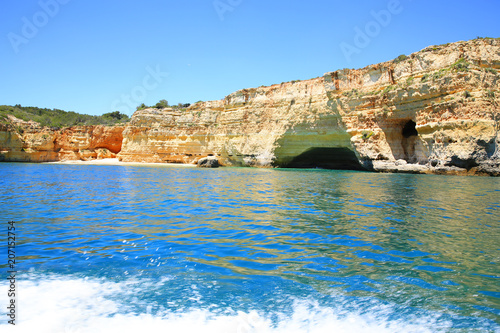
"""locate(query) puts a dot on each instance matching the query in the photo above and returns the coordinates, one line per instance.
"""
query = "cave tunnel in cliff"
(410, 136)
(326, 158)
(409, 129)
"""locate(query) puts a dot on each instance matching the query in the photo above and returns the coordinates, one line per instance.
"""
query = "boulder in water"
(208, 162)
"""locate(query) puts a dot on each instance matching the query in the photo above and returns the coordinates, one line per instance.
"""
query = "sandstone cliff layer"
(29, 142)
(435, 111)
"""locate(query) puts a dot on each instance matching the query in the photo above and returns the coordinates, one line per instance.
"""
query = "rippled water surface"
(114, 248)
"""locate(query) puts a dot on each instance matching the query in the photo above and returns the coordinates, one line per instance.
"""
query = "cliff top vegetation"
(59, 118)
(162, 104)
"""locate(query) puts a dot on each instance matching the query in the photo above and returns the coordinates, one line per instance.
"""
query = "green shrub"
(351, 93)
(366, 135)
(162, 104)
(439, 74)
(486, 37)
(400, 58)
(141, 107)
(461, 65)
(180, 106)
(467, 94)
(388, 88)
(116, 115)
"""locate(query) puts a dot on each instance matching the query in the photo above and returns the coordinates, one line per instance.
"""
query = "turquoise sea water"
(173, 249)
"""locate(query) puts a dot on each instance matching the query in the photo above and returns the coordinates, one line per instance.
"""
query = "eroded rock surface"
(29, 142)
(208, 162)
(436, 110)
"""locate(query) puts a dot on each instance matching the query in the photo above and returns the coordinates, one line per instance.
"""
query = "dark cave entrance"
(409, 129)
(326, 158)
(410, 136)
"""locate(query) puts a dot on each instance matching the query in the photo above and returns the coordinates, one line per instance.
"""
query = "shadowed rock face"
(326, 158)
(409, 129)
(410, 137)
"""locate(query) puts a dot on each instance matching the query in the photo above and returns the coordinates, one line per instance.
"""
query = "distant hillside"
(59, 118)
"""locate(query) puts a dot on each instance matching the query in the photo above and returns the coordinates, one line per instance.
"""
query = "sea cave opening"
(409, 129)
(326, 158)
(410, 135)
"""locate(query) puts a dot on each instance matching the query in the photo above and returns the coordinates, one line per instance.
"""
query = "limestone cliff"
(22, 141)
(435, 111)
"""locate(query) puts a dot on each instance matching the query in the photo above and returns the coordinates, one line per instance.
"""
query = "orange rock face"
(107, 137)
(29, 142)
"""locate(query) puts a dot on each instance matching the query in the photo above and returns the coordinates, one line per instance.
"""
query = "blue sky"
(94, 56)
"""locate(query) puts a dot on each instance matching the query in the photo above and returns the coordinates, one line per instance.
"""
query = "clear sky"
(94, 56)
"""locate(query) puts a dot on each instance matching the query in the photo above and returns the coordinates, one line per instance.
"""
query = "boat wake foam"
(69, 305)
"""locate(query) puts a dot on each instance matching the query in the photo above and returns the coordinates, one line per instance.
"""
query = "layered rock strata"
(29, 142)
(435, 111)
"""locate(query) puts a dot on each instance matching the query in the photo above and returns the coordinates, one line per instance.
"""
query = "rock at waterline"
(208, 162)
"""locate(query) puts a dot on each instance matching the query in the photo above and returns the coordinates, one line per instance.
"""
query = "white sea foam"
(79, 305)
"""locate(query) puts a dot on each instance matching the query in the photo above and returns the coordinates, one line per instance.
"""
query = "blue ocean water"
(176, 249)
